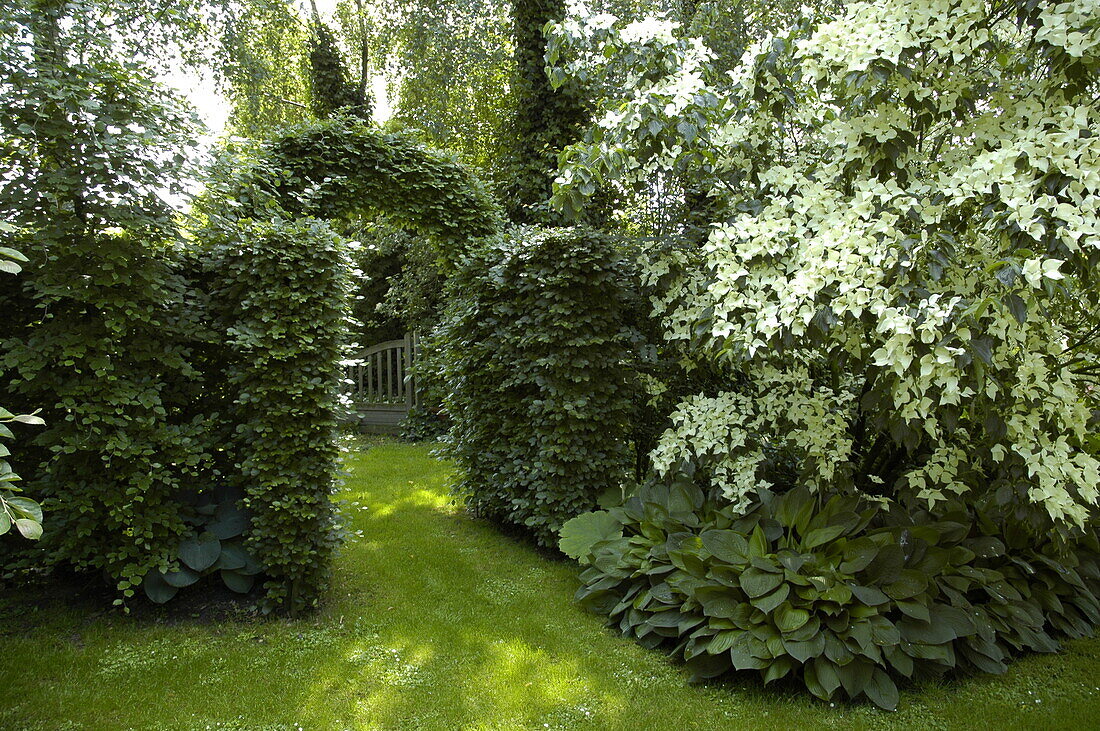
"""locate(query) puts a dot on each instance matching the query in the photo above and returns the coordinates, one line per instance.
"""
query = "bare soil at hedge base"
(436, 621)
(209, 602)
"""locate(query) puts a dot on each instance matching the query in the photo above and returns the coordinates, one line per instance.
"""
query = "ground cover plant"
(797, 586)
(484, 646)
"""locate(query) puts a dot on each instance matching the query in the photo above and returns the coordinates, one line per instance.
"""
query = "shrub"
(901, 262)
(834, 593)
(278, 299)
(533, 352)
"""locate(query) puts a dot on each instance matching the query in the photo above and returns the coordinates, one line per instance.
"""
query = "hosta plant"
(840, 595)
(214, 545)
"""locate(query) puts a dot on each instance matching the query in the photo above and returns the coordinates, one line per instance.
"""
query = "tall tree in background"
(331, 88)
(546, 119)
(263, 66)
(448, 69)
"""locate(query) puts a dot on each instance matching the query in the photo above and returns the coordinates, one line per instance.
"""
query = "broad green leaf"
(821, 536)
(238, 582)
(156, 588)
(581, 533)
(768, 603)
(757, 583)
(26, 507)
(789, 619)
(30, 529)
(882, 691)
(229, 521)
(181, 577)
(200, 552)
(726, 545)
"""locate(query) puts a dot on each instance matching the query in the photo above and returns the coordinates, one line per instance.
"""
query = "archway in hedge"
(277, 275)
(339, 166)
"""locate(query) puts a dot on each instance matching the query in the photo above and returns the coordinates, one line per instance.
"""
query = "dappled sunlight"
(416, 498)
(439, 622)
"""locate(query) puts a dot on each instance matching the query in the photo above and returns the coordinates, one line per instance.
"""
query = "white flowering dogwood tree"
(903, 277)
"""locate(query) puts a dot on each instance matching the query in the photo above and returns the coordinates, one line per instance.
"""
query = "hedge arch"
(331, 168)
(275, 278)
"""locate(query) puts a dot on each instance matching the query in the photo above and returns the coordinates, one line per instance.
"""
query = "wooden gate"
(380, 383)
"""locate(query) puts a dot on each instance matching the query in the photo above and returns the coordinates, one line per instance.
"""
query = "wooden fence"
(379, 380)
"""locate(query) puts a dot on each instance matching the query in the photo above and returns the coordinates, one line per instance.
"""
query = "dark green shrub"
(534, 348)
(104, 357)
(803, 587)
(278, 296)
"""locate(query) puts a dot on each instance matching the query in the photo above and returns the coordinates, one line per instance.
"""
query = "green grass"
(437, 621)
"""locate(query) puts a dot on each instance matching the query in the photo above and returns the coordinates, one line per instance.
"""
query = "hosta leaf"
(745, 653)
(909, 584)
(927, 633)
(238, 582)
(705, 666)
(805, 649)
(769, 602)
(757, 583)
(887, 565)
(233, 556)
(200, 552)
(838, 593)
(858, 555)
(181, 577)
(723, 641)
(229, 521)
(869, 595)
(827, 675)
(882, 691)
(581, 533)
(899, 660)
(821, 536)
(855, 676)
(726, 545)
(778, 669)
(156, 588)
(789, 619)
(758, 542)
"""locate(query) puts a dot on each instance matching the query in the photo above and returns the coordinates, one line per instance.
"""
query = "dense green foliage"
(897, 288)
(344, 166)
(278, 294)
(92, 333)
(546, 119)
(534, 344)
(804, 587)
(16, 510)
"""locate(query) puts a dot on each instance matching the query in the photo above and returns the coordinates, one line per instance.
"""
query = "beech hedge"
(535, 350)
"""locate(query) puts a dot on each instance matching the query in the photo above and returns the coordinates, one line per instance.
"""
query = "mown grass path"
(437, 621)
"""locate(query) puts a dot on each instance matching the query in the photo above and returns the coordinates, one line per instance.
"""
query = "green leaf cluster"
(533, 351)
(214, 545)
(848, 601)
(278, 314)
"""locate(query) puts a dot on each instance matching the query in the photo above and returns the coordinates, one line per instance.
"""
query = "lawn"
(437, 621)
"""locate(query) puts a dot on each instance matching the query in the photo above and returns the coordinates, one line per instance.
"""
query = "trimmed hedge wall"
(279, 294)
(534, 352)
